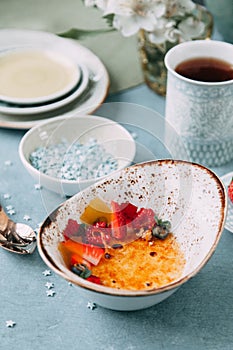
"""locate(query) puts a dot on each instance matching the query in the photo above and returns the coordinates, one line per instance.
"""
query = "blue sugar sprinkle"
(74, 162)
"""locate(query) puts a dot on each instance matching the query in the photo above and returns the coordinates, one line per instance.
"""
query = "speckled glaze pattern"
(187, 194)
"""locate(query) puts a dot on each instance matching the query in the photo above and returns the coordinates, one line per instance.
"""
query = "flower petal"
(191, 28)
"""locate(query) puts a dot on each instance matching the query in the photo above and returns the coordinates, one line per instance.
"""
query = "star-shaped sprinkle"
(9, 207)
(91, 305)
(46, 272)
(11, 212)
(50, 293)
(6, 196)
(26, 217)
(8, 162)
(134, 135)
(38, 187)
(70, 284)
(49, 285)
(10, 323)
(37, 229)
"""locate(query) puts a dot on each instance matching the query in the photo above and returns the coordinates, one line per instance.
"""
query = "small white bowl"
(113, 138)
(189, 195)
(35, 76)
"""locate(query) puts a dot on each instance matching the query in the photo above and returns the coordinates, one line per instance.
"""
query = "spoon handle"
(3, 220)
(7, 229)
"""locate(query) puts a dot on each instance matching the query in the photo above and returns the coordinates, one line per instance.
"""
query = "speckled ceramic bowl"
(189, 195)
(113, 138)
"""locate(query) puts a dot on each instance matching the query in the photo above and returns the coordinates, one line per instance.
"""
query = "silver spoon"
(16, 237)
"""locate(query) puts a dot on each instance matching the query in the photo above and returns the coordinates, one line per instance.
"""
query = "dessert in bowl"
(131, 240)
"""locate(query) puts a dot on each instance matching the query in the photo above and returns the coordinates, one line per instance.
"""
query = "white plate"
(91, 98)
(29, 76)
(35, 109)
(226, 179)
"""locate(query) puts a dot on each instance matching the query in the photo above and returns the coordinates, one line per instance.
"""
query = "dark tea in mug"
(205, 69)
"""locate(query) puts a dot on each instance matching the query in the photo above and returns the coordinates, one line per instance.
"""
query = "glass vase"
(152, 55)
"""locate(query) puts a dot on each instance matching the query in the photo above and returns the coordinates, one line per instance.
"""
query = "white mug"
(201, 112)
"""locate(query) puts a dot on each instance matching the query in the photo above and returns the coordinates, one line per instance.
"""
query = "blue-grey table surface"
(198, 316)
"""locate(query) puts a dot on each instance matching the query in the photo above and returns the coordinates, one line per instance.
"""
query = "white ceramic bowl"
(189, 195)
(113, 138)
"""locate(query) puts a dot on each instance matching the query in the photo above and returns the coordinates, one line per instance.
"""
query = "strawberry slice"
(118, 224)
(88, 252)
(94, 279)
(145, 218)
(230, 190)
(128, 210)
(71, 229)
(77, 259)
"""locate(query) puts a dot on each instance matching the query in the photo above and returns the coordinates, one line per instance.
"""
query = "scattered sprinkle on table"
(74, 162)
(11, 212)
(91, 305)
(26, 217)
(38, 187)
(46, 272)
(6, 196)
(49, 285)
(9, 207)
(10, 324)
(8, 162)
(50, 293)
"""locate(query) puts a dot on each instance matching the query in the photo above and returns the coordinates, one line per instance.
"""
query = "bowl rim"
(64, 119)
(52, 55)
(84, 284)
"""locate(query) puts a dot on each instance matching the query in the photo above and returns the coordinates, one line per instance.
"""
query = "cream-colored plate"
(30, 109)
(90, 99)
(29, 76)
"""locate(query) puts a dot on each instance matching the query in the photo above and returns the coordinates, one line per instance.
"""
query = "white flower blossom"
(157, 36)
(178, 7)
(132, 15)
(101, 4)
(89, 3)
(191, 28)
(164, 20)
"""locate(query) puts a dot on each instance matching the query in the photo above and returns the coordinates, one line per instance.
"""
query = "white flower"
(89, 3)
(191, 28)
(165, 29)
(164, 20)
(178, 7)
(132, 15)
(101, 4)
(172, 34)
(157, 36)
(186, 6)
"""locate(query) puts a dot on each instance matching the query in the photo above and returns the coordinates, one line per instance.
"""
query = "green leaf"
(81, 270)
(165, 224)
(75, 33)
(85, 273)
(109, 19)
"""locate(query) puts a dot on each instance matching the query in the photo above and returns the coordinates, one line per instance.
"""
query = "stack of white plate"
(43, 75)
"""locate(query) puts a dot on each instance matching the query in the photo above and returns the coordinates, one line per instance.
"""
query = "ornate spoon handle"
(8, 230)
(3, 220)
